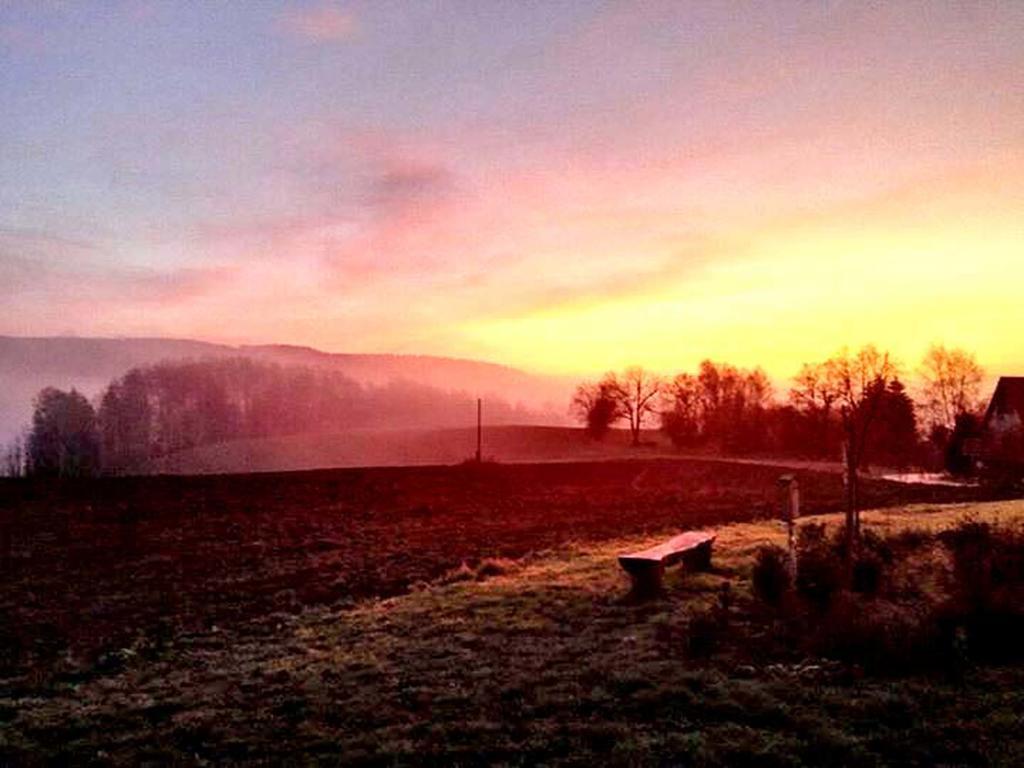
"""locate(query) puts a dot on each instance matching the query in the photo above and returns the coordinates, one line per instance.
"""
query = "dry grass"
(527, 661)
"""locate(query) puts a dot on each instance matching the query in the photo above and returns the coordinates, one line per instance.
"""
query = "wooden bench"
(647, 567)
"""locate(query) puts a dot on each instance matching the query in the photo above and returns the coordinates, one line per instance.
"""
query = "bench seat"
(647, 566)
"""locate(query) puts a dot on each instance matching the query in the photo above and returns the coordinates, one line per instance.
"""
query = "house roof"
(1008, 398)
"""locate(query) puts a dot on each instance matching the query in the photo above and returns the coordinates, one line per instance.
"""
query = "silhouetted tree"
(64, 441)
(637, 392)
(813, 394)
(157, 410)
(895, 439)
(967, 426)
(681, 415)
(951, 385)
(793, 431)
(858, 385)
(12, 459)
(733, 403)
(125, 423)
(597, 406)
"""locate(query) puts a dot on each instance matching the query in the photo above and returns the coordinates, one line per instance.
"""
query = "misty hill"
(89, 364)
(445, 373)
(155, 412)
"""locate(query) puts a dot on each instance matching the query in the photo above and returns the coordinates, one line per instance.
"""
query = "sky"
(565, 187)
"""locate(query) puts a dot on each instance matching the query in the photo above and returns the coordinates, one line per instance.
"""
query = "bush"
(866, 578)
(885, 638)
(971, 546)
(771, 578)
(905, 542)
(819, 571)
(987, 602)
(982, 620)
(871, 564)
(821, 564)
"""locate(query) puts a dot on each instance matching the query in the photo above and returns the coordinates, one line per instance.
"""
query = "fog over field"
(90, 364)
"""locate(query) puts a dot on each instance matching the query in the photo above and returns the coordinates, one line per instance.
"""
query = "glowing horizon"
(563, 189)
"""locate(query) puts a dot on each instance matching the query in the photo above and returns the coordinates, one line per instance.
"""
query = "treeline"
(850, 402)
(154, 411)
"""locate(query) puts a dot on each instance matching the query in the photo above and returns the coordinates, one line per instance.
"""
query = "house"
(1002, 430)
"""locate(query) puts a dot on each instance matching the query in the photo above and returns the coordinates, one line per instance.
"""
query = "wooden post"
(850, 489)
(790, 512)
(479, 430)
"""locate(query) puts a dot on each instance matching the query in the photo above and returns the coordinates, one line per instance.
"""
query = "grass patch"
(536, 661)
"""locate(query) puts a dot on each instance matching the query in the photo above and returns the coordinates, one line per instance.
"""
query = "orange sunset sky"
(563, 187)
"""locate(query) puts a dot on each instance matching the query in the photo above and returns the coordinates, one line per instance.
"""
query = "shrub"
(983, 619)
(886, 638)
(908, 541)
(987, 601)
(971, 546)
(1008, 560)
(871, 564)
(866, 578)
(771, 578)
(819, 565)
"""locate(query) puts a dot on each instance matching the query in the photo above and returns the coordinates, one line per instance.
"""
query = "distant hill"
(445, 373)
(88, 364)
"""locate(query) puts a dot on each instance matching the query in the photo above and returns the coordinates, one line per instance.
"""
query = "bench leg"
(699, 559)
(647, 581)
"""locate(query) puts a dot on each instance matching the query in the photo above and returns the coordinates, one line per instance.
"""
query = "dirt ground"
(539, 660)
(92, 566)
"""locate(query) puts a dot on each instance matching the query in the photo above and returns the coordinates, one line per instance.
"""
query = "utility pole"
(479, 430)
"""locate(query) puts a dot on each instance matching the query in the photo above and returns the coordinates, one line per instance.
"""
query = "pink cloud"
(324, 24)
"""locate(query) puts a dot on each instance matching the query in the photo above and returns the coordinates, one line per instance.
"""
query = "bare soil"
(538, 661)
(91, 566)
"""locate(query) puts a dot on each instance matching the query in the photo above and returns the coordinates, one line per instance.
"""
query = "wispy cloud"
(321, 24)
(57, 266)
(455, 170)
(410, 184)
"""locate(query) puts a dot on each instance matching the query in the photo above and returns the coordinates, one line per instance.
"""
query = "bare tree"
(814, 394)
(812, 390)
(681, 412)
(12, 460)
(857, 384)
(951, 385)
(638, 393)
(598, 405)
